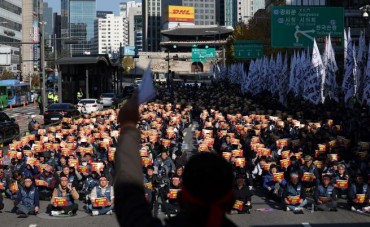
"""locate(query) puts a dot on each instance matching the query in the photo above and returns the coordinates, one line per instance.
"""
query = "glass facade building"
(78, 18)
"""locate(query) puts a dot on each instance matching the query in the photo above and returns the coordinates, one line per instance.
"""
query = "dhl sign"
(180, 14)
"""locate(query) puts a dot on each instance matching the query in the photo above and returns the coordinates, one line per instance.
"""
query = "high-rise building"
(231, 12)
(205, 11)
(151, 11)
(125, 7)
(57, 44)
(110, 33)
(29, 24)
(11, 26)
(135, 20)
(49, 25)
(103, 14)
(247, 8)
(78, 17)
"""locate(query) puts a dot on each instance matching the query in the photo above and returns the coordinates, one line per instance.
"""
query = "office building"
(135, 20)
(29, 24)
(57, 29)
(110, 33)
(230, 12)
(78, 18)
(125, 7)
(102, 14)
(49, 26)
(205, 11)
(11, 29)
(151, 11)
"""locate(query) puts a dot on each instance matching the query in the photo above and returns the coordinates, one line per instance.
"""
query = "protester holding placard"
(14, 184)
(102, 198)
(27, 199)
(243, 196)
(325, 195)
(309, 174)
(341, 181)
(274, 183)
(46, 183)
(62, 201)
(294, 195)
(359, 194)
(172, 192)
(30, 171)
(33, 125)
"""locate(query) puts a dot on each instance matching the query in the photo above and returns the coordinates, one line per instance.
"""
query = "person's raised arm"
(130, 203)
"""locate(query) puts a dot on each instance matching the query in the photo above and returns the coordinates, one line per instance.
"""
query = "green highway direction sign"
(248, 49)
(201, 55)
(296, 27)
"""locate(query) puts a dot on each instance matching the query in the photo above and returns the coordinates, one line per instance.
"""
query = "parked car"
(108, 99)
(89, 105)
(137, 81)
(55, 112)
(9, 128)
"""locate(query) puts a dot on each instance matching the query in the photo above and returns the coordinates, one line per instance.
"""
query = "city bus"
(17, 92)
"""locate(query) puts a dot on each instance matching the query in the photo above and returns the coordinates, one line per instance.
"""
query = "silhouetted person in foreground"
(206, 193)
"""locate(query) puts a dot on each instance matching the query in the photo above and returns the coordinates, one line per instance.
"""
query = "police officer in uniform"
(326, 195)
(101, 191)
(27, 199)
(79, 95)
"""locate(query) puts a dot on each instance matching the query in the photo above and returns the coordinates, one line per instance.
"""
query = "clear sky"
(109, 5)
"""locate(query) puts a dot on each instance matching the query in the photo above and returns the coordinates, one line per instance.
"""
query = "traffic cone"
(10, 107)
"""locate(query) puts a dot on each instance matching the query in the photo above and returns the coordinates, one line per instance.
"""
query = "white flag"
(146, 88)
(350, 70)
(361, 67)
(313, 90)
(293, 63)
(331, 68)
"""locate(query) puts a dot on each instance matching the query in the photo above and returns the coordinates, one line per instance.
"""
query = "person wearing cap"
(206, 193)
(103, 190)
(242, 194)
(151, 181)
(309, 167)
(294, 196)
(67, 191)
(33, 125)
(27, 199)
(357, 190)
(325, 195)
(341, 175)
(47, 176)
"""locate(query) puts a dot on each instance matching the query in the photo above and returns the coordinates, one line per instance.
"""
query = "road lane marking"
(32, 225)
(306, 224)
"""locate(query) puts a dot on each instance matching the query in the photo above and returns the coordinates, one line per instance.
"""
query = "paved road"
(23, 116)
(275, 217)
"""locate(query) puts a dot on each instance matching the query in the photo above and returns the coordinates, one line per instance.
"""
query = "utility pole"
(87, 83)
(42, 54)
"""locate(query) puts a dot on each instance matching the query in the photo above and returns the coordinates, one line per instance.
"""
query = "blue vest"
(99, 192)
(325, 192)
(364, 188)
(91, 183)
(28, 199)
(48, 180)
(292, 191)
(68, 196)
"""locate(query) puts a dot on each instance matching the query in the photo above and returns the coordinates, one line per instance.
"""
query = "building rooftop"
(198, 30)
